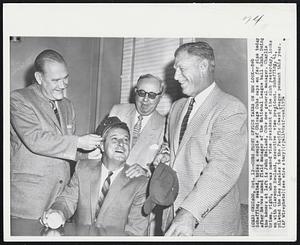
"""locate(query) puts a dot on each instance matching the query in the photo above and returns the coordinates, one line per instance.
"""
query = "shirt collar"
(199, 98)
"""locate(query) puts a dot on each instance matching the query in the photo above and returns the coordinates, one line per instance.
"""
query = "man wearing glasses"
(145, 123)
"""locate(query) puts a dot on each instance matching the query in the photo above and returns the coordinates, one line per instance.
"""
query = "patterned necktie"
(137, 130)
(186, 119)
(103, 193)
(54, 108)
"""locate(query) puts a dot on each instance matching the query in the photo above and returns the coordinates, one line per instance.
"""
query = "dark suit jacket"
(39, 147)
(121, 212)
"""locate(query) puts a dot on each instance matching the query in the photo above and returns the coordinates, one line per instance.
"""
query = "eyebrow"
(57, 79)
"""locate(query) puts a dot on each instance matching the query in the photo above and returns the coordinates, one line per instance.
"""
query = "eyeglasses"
(143, 93)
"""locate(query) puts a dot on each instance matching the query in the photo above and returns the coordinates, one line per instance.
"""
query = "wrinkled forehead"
(53, 67)
(149, 84)
(184, 58)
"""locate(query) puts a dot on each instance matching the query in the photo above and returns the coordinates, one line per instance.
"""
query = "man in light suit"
(42, 138)
(207, 135)
(115, 208)
(148, 92)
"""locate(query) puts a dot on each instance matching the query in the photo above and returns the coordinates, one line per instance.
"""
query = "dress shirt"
(104, 174)
(144, 121)
(199, 99)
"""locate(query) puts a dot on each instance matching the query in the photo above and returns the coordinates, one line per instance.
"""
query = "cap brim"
(148, 206)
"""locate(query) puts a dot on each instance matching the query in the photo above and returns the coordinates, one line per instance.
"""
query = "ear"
(101, 146)
(203, 65)
(38, 77)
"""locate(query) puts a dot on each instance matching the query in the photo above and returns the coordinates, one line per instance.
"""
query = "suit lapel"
(114, 190)
(130, 123)
(62, 111)
(200, 115)
(95, 178)
(148, 131)
(178, 121)
(44, 104)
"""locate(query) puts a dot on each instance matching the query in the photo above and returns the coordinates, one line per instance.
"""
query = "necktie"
(137, 130)
(54, 108)
(185, 119)
(103, 193)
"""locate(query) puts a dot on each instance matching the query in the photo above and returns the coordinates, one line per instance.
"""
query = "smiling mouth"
(119, 151)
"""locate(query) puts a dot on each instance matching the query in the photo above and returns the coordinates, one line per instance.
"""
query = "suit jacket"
(209, 161)
(150, 139)
(39, 147)
(121, 211)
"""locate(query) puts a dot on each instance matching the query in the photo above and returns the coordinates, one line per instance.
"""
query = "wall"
(231, 76)
(90, 69)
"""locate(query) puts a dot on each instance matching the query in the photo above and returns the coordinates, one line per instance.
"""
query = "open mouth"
(119, 151)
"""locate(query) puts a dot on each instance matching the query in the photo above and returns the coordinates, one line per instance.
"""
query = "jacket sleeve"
(225, 158)
(68, 199)
(137, 223)
(27, 125)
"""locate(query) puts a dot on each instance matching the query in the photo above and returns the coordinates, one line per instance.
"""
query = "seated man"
(99, 190)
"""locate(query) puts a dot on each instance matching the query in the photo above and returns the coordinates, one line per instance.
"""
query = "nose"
(120, 142)
(146, 98)
(177, 74)
(63, 83)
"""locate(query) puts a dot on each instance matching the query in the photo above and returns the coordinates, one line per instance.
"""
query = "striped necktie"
(54, 108)
(186, 119)
(137, 130)
(103, 193)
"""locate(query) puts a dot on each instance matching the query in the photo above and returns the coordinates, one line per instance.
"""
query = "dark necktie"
(54, 108)
(185, 119)
(137, 130)
(103, 193)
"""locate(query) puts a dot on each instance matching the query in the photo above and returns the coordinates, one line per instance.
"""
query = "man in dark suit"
(100, 192)
(42, 138)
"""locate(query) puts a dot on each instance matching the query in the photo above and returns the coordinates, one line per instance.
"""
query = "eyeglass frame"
(137, 91)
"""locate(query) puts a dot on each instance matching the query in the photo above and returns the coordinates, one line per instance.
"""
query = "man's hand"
(53, 219)
(163, 156)
(95, 154)
(89, 142)
(135, 170)
(182, 225)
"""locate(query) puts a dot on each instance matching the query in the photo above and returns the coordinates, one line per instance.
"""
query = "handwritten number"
(256, 19)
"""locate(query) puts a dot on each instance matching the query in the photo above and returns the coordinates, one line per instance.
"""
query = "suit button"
(61, 181)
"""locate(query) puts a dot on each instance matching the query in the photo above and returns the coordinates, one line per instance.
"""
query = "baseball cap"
(163, 188)
(108, 123)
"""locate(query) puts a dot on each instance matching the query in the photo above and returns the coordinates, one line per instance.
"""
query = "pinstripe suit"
(209, 160)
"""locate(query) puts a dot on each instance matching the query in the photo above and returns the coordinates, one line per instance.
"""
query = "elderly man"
(207, 134)
(99, 190)
(42, 138)
(145, 123)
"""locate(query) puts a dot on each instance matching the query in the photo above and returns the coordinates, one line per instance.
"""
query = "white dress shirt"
(199, 99)
(144, 121)
(104, 174)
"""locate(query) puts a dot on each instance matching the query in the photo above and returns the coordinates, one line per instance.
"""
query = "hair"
(199, 49)
(47, 55)
(118, 125)
(163, 84)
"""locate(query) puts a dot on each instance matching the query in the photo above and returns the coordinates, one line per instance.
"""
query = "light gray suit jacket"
(121, 212)
(39, 147)
(209, 161)
(150, 139)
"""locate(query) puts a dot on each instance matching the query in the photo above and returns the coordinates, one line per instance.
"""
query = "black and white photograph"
(142, 136)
